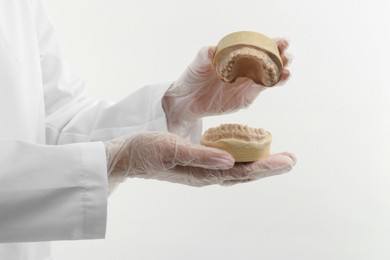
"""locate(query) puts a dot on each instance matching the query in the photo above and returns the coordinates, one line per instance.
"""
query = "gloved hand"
(168, 157)
(199, 92)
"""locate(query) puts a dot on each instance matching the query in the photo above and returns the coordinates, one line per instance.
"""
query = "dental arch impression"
(248, 54)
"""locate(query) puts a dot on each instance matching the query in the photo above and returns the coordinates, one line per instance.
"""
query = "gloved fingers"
(240, 173)
(288, 154)
(284, 76)
(211, 51)
(282, 44)
(286, 59)
(282, 47)
(194, 155)
(274, 165)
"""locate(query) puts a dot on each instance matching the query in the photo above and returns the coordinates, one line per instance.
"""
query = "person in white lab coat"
(59, 147)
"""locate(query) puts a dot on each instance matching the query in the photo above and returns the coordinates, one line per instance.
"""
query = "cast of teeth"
(269, 68)
(236, 131)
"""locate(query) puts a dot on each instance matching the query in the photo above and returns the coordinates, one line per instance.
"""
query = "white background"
(333, 114)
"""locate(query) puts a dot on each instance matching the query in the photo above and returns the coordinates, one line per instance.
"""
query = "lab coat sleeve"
(74, 116)
(50, 192)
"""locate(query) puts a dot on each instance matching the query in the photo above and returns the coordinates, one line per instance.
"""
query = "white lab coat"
(51, 189)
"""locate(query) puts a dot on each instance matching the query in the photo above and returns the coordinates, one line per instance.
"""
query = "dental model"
(245, 144)
(248, 54)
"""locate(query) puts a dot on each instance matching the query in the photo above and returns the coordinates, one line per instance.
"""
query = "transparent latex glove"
(199, 92)
(168, 157)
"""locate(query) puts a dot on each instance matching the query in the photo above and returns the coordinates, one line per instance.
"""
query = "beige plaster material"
(248, 54)
(245, 144)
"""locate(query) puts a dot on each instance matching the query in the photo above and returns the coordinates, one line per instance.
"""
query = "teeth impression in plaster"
(248, 54)
(245, 144)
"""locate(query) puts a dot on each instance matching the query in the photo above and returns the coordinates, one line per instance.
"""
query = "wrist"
(173, 109)
(166, 103)
(177, 108)
(108, 157)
